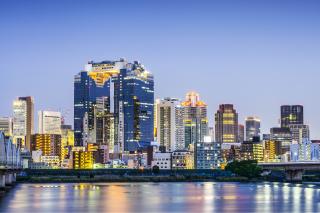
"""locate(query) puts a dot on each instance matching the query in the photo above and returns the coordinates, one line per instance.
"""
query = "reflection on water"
(162, 197)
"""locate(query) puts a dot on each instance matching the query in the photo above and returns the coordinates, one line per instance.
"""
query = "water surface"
(162, 197)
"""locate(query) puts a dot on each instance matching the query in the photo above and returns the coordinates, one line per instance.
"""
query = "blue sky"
(254, 54)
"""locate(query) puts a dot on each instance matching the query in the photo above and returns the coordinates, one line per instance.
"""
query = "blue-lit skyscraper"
(130, 88)
(134, 107)
(89, 85)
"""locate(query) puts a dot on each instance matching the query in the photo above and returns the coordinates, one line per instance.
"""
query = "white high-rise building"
(49, 122)
(179, 127)
(299, 132)
(23, 121)
(6, 125)
(170, 133)
(19, 119)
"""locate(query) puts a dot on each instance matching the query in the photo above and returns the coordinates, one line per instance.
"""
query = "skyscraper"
(6, 125)
(129, 88)
(102, 132)
(67, 140)
(252, 127)
(195, 119)
(155, 121)
(133, 107)
(49, 122)
(170, 129)
(226, 124)
(240, 133)
(23, 124)
(92, 83)
(291, 114)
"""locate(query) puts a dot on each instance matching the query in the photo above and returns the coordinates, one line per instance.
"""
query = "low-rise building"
(252, 151)
(305, 151)
(51, 161)
(162, 160)
(207, 154)
(39, 165)
(182, 159)
(49, 144)
(82, 160)
(36, 156)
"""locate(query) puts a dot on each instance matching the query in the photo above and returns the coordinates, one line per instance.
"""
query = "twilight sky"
(254, 54)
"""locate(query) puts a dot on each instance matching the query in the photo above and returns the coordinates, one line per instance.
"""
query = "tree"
(245, 168)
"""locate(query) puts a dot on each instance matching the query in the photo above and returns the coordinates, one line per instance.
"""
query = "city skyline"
(159, 106)
(283, 54)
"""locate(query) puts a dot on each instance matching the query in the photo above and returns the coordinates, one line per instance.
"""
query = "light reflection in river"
(162, 197)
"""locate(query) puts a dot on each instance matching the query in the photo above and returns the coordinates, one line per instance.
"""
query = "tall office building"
(291, 114)
(252, 127)
(133, 107)
(6, 125)
(269, 151)
(155, 121)
(23, 124)
(170, 130)
(226, 124)
(67, 140)
(102, 131)
(299, 132)
(49, 122)
(129, 88)
(240, 133)
(92, 83)
(195, 119)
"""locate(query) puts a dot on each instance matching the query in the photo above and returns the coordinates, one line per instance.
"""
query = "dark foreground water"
(162, 197)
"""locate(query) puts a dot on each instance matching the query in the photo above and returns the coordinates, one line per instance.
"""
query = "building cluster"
(119, 124)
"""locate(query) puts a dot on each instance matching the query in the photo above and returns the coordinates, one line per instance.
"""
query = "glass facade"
(134, 107)
(252, 128)
(130, 91)
(86, 92)
(291, 114)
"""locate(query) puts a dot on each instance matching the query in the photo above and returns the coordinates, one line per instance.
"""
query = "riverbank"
(117, 178)
(124, 175)
(146, 175)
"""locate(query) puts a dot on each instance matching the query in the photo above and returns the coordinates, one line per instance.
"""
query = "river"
(162, 197)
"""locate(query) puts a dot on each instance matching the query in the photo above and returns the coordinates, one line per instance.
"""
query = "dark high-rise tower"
(240, 133)
(226, 124)
(291, 114)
